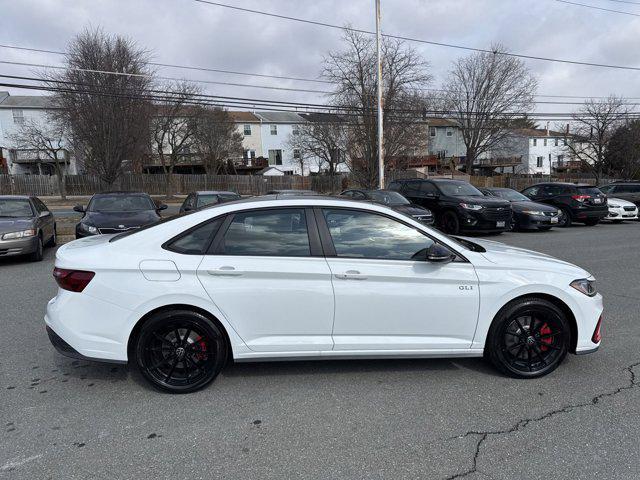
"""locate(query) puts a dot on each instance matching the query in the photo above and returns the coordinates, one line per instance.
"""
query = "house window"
(564, 141)
(296, 154)
(275, 157)
(539, 162)
(545, 142)
(296, 130)
(560, 158)
(274, 129)
(18, 116)
(556, 142)
(432, 131)
(449, 132)
(247, 129)
(442, 154)
(535, 142)
(250, 154)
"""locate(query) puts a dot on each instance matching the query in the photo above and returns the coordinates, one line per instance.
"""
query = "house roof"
(267, 169)
(25, 101)
(537, 132)
(321, 117)
(441, 122)
(280, 117)
(239, 116)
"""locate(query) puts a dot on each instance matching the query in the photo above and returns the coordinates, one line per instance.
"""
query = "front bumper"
(535, 221)
(622, 214)
(476, 221)
(22, 246)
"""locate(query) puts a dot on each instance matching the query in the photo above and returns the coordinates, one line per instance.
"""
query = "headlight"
(471, 206)
(614, 205)
(533, 212)
(89, 228)
(18, 235)
(585, 285)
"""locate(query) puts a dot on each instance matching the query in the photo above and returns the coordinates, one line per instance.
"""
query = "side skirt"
(356, 355)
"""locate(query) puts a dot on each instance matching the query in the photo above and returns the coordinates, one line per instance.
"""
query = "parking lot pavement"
(432, 419)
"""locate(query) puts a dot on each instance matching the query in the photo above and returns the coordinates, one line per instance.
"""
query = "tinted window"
(509, 194)
(397, 186)
(412, 188)
(40, 207)
(459, 189)
(197, 240)
(428, 188)
(607, 189)
(627, 188)
(226, 197)
(551, 190)
(280, 233)
(206, 200)
(589, 191)
(368, 235)
(15, 208)
(120, 203)
(387, 197)
(531, 191)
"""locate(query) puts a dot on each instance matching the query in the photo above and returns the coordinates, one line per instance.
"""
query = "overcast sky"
(189, 33)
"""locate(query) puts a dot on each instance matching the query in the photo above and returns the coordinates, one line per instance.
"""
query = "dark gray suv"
(26, 226)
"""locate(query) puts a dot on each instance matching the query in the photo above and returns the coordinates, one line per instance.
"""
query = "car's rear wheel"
(564, 218)
(180, 351)
(37, 255)
(450, 223)
(529, 338)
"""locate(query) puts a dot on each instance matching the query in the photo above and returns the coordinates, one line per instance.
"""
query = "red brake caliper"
(545, 330)
(203, 349)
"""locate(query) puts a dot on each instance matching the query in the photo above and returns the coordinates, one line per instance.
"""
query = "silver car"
(26, 226)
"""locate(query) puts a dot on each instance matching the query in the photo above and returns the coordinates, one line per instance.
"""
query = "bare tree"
(622, 154)
(47, 138)
(353, 73)
(217, 141)
(173, 127)
(107, 114)
(593, 127)
(484, 90)
(323, 141)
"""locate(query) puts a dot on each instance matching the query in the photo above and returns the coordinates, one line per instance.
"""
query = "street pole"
(380, 124)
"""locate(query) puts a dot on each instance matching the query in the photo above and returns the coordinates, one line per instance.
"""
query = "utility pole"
(380, 124)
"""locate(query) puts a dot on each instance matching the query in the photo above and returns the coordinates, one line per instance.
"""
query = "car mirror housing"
(162, 206)
(438, 253)
(78, 208)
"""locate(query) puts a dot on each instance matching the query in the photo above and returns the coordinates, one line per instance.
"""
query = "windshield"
(15, 207)
(120, 203)
(229, 196)
(589, 190)
(511, 195)
(459, 189)
(206, 200)
(387, 198)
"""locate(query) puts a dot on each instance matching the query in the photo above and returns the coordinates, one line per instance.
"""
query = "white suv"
(313, 278)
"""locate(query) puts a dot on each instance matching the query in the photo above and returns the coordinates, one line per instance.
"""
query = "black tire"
(38, 254)
(450, 223)
(528, 338)
(544, 229)
(180, 351)
(616, 221)
(591, 222)
(54, 237)
(564, 219)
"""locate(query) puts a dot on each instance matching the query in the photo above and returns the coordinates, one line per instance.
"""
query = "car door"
(386, 298)
(266, 273)
(45, 219)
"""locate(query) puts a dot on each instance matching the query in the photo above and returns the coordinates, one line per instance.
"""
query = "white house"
(15, 111)
(249, 126)
(276, 127)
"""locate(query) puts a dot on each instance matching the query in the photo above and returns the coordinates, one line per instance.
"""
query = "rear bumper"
(589, 213)
(587, 351)
(22, 246)
(68, 351)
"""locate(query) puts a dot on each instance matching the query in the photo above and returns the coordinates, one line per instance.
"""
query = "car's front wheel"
(38, 253)
(450, 223)
(529, 338)
(564, 218)
(180, 351)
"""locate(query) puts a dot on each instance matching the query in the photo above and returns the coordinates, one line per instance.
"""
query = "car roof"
(15, 197)
(215, 192)
(120, 193)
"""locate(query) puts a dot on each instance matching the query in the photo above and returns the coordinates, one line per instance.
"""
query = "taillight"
(72, 280)
(597, 336)
(581, 198)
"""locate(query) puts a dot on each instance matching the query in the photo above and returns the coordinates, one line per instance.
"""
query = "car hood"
(621, 202)
(121, 219)
(15, 224)
(524, 205)
(484, 201)
(411, 209)
(522, 259)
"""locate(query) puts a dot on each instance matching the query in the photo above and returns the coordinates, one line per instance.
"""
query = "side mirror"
(78, 208)
(187, 209)
(440, 254)
(162, 206)
(46, 213)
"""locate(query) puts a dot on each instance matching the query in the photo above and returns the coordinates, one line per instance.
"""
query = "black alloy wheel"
(180, 351)
(450, 223)
(564, 218)
(529, 339)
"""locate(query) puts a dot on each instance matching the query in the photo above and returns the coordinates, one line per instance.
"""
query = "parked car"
(577, 203)
(200, 199)
(313, 278)
(26, 226)
(629, 191)
(458, 206)
(115, 212)
(394, 200)
(620, 210)
(526, 214)
(291, 192)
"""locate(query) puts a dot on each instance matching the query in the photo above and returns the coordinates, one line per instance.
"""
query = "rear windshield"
(15, 207)
(120, 203)
(589, 190)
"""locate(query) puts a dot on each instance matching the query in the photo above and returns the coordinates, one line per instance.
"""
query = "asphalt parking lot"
(391, 419)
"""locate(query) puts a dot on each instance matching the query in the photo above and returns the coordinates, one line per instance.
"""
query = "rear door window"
(196, 241)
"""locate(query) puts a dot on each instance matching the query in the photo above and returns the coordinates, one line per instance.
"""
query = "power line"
(625, 1)
(598, 8)
(417, 40)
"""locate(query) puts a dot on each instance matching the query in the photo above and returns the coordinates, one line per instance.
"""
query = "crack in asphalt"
(523, 423)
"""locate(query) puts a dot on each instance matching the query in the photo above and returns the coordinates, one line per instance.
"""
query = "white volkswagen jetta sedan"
(312, 278)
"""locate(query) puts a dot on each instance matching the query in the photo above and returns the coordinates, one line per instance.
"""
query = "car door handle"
(351, 275)
(225, 271)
